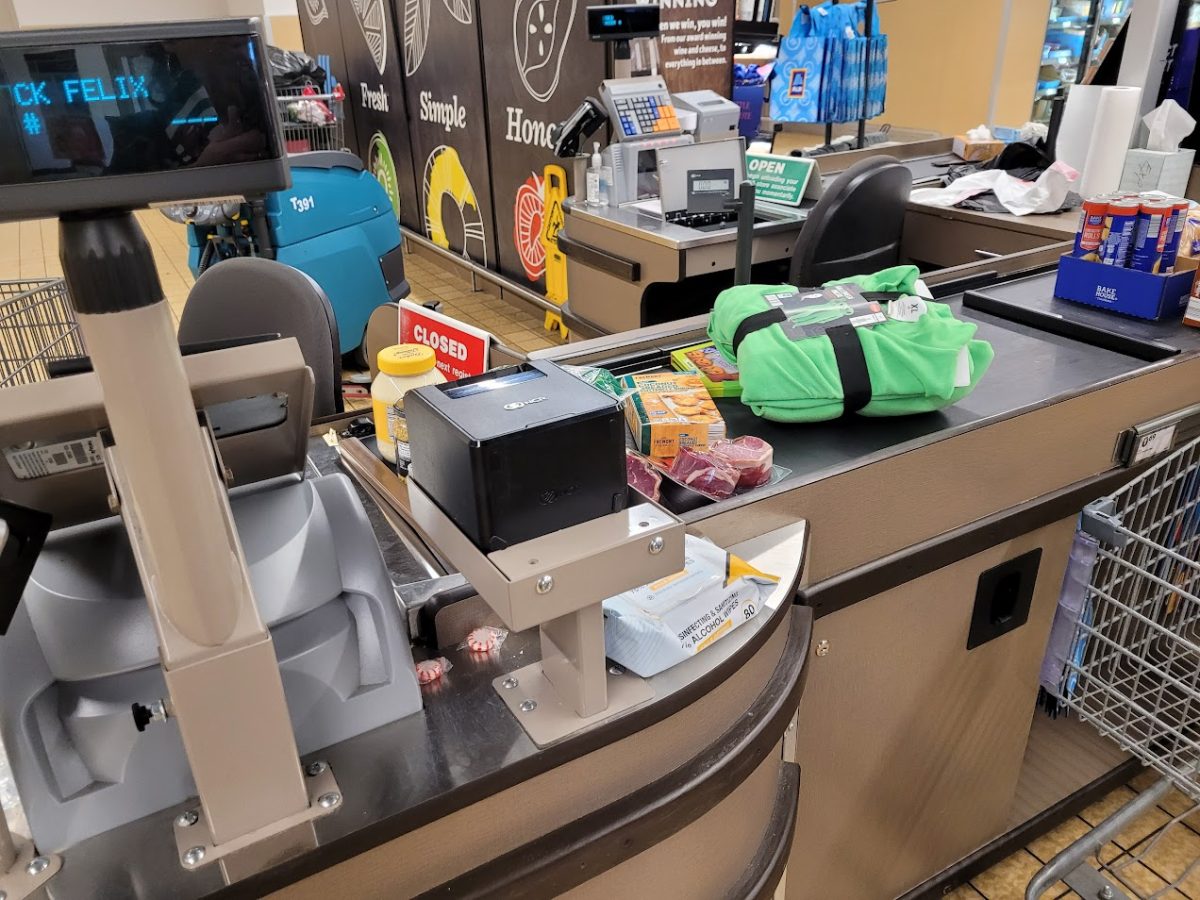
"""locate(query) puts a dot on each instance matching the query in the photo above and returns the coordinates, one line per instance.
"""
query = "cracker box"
(720, 376)
(669, 411)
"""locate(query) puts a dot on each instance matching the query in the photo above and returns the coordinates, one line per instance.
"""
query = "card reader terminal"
(640, 107)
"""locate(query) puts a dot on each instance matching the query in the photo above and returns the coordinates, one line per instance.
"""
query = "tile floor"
(30, 250)
(1158, 868)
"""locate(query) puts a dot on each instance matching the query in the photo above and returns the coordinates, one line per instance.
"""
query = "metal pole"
(744, 257)
(868, 33)
(8, 850)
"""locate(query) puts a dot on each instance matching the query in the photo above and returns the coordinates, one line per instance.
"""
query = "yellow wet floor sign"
(554, 188)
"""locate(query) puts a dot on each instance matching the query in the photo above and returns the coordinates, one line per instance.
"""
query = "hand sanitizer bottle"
(599, 180)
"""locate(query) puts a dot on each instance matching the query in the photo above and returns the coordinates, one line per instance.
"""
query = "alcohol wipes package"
(659, 625)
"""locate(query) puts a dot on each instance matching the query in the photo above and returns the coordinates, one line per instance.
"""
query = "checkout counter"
(627, 268)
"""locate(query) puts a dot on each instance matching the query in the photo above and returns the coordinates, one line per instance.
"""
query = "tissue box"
(1155, 170)
(1126, 291)
(976, 151)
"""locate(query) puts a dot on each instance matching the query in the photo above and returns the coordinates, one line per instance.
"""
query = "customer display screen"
(485, 383)
(87, 110)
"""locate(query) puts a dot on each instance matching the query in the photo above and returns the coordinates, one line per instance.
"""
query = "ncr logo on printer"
(521, 404)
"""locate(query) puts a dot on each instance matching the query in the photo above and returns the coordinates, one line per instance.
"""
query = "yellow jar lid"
(406, 359)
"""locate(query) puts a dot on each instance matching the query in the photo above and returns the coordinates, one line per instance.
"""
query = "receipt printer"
(518, 452)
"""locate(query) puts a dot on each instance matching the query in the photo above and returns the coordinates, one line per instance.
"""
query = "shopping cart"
(1134, 673)
(312, 120)
(37, 326)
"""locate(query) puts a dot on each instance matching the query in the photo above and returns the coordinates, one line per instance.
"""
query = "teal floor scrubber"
(335, 224)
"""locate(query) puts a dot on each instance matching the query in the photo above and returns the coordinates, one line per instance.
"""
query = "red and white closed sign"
(461, 350)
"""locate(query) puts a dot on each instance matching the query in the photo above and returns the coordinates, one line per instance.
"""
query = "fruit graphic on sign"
(372, 19)
(416, 33)
(540, 32)
(317, 11)
(527, 227)
(379, 161)
(446, 179)
(460, 9)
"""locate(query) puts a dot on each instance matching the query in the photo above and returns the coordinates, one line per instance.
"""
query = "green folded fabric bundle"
(913, 366)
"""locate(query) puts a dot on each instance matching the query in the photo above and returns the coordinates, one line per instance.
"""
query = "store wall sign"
(373, 98)
(524, 130)
(449, 114)
(461, 351)
(696, 44)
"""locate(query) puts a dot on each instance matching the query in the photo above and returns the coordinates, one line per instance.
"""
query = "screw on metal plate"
(330, 800)
(1106, 892)
(545, 584)
(656, 544)
(193, 857)
(315, 768)
(37, 865)
(528, 705)
(187, 819)
(791, 727)
(822, 648)
(509, 683)
(614, 669)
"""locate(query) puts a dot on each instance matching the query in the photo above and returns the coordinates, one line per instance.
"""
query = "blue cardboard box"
(1126, 291)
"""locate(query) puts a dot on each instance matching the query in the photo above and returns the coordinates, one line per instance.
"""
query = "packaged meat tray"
(642, 476)
(705, 473)
(751, 456)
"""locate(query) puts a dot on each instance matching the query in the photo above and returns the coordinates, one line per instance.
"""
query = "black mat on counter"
(1031, 301)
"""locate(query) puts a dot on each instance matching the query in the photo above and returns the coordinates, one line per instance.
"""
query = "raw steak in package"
(642, 476)
(704, 473)
(751, 456)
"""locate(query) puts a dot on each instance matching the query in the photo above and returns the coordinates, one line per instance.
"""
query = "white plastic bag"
(1046, 195)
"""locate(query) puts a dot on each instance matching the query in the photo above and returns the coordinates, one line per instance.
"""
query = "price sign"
(461, 350)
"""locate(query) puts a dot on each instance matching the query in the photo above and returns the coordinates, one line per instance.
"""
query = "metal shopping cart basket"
(1133, 672)
(312, 120)
(37, 326)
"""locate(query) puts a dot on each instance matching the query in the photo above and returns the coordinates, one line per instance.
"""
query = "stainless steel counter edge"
(656, 230)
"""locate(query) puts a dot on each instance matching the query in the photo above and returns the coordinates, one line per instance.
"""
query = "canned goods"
(1120, 229)
(1090, 235)
(1151, 237)
(1174, 235)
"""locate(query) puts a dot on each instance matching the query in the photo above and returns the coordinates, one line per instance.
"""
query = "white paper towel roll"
(1075, 130)
(1116, 116)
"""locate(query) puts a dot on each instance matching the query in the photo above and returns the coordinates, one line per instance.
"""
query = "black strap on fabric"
(757, 322)
(852, 368)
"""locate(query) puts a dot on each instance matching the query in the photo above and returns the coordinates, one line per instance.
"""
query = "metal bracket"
(193, 839)
(547, 718)
(1089, 883)
(558, 583)
(29, 871)
(1101, 522)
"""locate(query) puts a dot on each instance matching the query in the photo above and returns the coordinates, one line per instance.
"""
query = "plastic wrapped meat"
(642, 476)
(751, 456)
(703, 472)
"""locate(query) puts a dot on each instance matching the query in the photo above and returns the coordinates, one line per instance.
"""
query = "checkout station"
(245, 655)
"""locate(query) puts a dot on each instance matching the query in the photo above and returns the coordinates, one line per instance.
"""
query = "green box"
(720, 376)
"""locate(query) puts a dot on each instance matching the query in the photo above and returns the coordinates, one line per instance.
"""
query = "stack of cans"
(1133, 231)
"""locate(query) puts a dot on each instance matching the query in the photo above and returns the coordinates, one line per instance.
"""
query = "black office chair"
(855, 227)
(248, 296)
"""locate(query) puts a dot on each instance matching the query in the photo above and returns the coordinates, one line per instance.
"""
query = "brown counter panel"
(911, 746)
(887, 504)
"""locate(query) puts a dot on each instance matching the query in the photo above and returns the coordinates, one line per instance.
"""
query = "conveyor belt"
(1030, 366)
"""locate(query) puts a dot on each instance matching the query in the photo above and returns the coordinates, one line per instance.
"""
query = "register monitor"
(122, 117)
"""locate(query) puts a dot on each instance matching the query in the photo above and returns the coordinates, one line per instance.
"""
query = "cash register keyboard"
(646, 114)
(705, 221)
